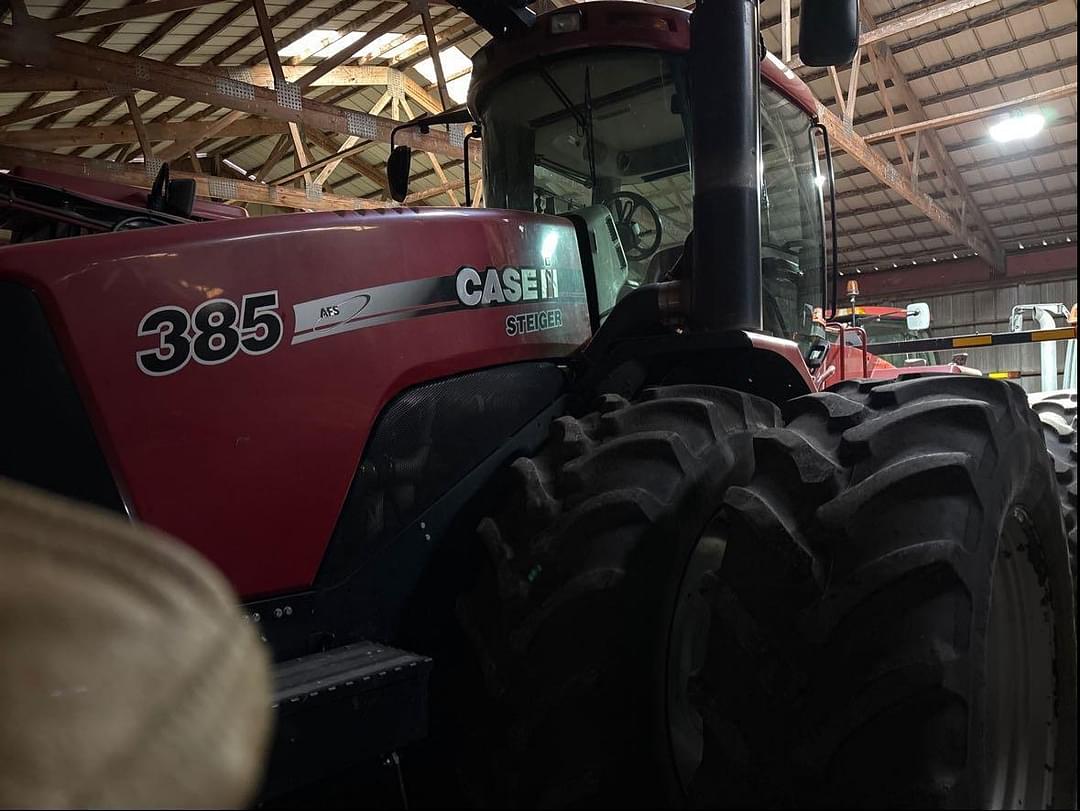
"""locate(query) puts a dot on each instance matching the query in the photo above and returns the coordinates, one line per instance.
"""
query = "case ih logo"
(506, 286)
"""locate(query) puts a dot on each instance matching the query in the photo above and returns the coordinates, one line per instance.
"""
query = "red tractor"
(859, 328)
(573, 453)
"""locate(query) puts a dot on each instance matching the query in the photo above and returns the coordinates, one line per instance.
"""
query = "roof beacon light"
(1017, 127)
(565, 22)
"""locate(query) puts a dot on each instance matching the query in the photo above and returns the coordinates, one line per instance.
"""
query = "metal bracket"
(457, 135)
(313, 191)
(361, 125)
(222, 187)
(395, 82)
(142, 70)
(289, 96)
(234, 89)
(240, 74)
(151, 165)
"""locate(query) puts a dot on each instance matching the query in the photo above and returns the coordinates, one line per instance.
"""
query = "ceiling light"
(954, 256)
(1017, 126)
(1044, 243)
(819, 180)
(1021, 244)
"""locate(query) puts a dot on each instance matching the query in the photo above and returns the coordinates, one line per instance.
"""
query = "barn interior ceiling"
(276, 104)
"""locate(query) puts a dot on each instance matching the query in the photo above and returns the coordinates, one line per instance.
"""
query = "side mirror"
(828, 32)
(398, 170)
(918, 316)
(180, 198)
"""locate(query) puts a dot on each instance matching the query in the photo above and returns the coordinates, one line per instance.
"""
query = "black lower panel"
(46, 439)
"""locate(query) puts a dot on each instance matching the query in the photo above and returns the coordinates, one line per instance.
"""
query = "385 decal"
(213, 333)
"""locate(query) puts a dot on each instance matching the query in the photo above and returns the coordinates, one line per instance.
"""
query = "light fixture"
(819, 180)
(954, 256)
(1017, 126)
(1044, 243)
(1021, 244)
(933, 258)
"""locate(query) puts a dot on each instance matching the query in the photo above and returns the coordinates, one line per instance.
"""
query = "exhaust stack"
(724, 89)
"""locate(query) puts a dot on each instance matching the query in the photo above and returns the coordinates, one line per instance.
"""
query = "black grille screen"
(45, 437)
(426, 440)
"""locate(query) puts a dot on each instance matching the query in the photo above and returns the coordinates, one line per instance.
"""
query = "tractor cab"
(587, 115)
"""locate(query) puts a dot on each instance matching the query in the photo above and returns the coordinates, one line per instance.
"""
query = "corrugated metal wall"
(988, 310)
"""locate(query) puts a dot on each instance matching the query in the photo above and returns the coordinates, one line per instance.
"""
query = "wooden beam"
(953, 119)
(785, 30)
(269, 47)
(191, 83)
(62, 137)
(331, 62)
(992, 251)
(841, 105)
(883, 97)
(853, 88)
(54, 107)
(848, 140)
(209, 129)
(436, 59)
(122, 15)
(435, 191)
(915, 19)
(272, 160)
(140, 128)
(339, 31)
(352, 141)
(205, 186)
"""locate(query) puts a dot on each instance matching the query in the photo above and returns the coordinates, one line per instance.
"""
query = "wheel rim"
(1021, 727)
(686, 655)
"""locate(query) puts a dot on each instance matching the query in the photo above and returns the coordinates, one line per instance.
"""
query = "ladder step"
(342, 706)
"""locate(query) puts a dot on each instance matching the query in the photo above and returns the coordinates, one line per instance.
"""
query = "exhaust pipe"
(724, 89)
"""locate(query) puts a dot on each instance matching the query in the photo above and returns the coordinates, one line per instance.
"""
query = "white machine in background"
(1044, 315)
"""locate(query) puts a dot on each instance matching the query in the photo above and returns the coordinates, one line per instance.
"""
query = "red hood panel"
(247, 447)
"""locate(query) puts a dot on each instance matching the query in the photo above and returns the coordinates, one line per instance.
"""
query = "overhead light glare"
(1017, 126)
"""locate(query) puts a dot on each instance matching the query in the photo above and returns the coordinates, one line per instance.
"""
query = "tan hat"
(128, 676)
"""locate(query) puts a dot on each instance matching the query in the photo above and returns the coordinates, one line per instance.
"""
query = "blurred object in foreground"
(129, 676)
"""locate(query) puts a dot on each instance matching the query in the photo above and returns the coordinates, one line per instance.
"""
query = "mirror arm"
(474, 133)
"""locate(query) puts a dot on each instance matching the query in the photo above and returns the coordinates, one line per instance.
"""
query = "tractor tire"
(871, 606)
(586, 554)
(1057, 413)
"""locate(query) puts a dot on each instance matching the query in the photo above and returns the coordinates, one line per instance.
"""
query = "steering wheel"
(637, 222)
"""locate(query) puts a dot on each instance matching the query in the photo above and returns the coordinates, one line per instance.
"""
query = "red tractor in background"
(578, 468)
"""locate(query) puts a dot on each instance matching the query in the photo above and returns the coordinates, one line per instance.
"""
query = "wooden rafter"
(140, 128)
(331, 62)
(991, 250)
(206, 186)
(63, 137)
(436, 58)
(848, 140)
(59, 54)
(51, 108)
(114, 16)
(272, 160)
(966, 116)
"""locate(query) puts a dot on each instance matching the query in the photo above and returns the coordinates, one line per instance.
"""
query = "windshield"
(610, 129)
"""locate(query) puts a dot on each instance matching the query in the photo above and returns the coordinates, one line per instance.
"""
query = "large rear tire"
(870, 606)
(930, 658)
(1057, 413)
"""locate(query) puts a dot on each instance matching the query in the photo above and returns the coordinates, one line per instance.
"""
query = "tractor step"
(343, 706)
